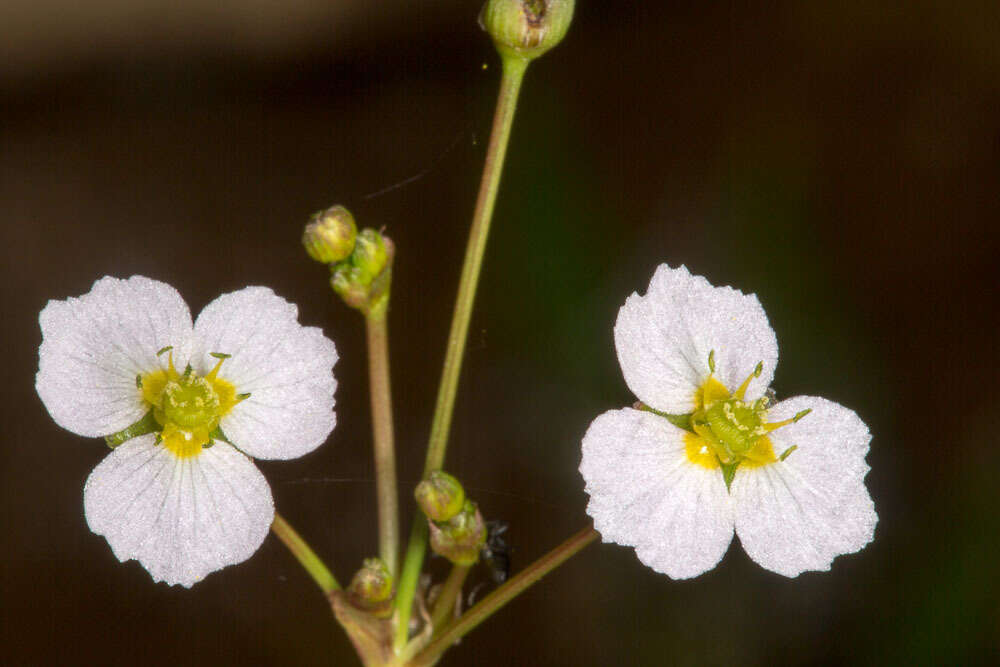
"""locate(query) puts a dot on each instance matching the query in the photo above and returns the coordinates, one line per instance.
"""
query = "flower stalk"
(303, 553)
(385, 458)
(514, 68)
(444, 606)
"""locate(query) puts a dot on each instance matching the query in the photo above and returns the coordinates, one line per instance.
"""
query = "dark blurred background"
(837, 158)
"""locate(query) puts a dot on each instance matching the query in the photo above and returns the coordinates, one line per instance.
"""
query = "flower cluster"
(705, 452)
(185, 405)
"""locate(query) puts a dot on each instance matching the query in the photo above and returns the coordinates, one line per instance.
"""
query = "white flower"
(707, 454)
(181, 495)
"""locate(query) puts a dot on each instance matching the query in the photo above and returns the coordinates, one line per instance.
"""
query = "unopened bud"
(363, 279)
(369, 255)
(329, 237)
(371, 588)
(440, 496)
(527, 28)
(461, 538)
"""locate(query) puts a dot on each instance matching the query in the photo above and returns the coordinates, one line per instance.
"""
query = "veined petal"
(645, 493)
(181, 518)
(664, 339)
(800, 513)
(93, 347)
(286, 368)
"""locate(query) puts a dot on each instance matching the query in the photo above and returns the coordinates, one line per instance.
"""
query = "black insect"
(495, 554)
(496, 551)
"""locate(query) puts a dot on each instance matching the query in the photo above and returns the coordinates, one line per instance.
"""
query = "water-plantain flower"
(184, 406)
(706, 452)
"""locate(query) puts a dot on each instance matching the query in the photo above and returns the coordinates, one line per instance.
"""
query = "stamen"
(711, 360)
(215, 371)
(187, 371)
(784, 454)
(221, 356)
(164, 349)
(242, 397)
(776, 425)
(138, 381)
(742, 389)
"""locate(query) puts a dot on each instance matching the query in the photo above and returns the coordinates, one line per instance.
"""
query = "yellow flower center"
(729, 431)
(188, 406)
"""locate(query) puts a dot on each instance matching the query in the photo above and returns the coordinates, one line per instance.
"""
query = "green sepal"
(680, 421)
(147, 424)
(217, 434)
(729, 472)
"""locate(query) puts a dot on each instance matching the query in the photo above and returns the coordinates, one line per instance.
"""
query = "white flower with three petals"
(706, 453)
(180, 493)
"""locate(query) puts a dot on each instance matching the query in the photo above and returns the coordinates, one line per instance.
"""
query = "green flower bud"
(461, 538)
(329, 236)
(369, 256)
(371, 588)
(440, 496)
(363, 279)
(527, 28)
(347, 282)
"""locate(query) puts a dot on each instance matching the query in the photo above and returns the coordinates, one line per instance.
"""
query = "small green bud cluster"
(526, 28)
(360, 262)
(371, 589)
(457, 529)
(362, 280)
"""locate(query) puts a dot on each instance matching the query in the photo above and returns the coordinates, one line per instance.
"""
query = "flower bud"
(440, 496)
(369, 255)
(527, 28)
(461, 538)
(363, 279)
(371, 588)
(329, 237)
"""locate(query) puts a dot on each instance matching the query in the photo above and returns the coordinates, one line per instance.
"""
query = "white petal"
(93, 347)
(180, 518)
(664, 339)
(286, 368)
(799, 514)
(644, 492)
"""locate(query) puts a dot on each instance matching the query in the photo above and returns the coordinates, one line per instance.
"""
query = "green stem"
(444, 607)
(510, 85)
(305, 555)
(385, 457)
(501, 596)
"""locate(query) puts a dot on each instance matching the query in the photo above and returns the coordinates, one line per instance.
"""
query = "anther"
(784, 454)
